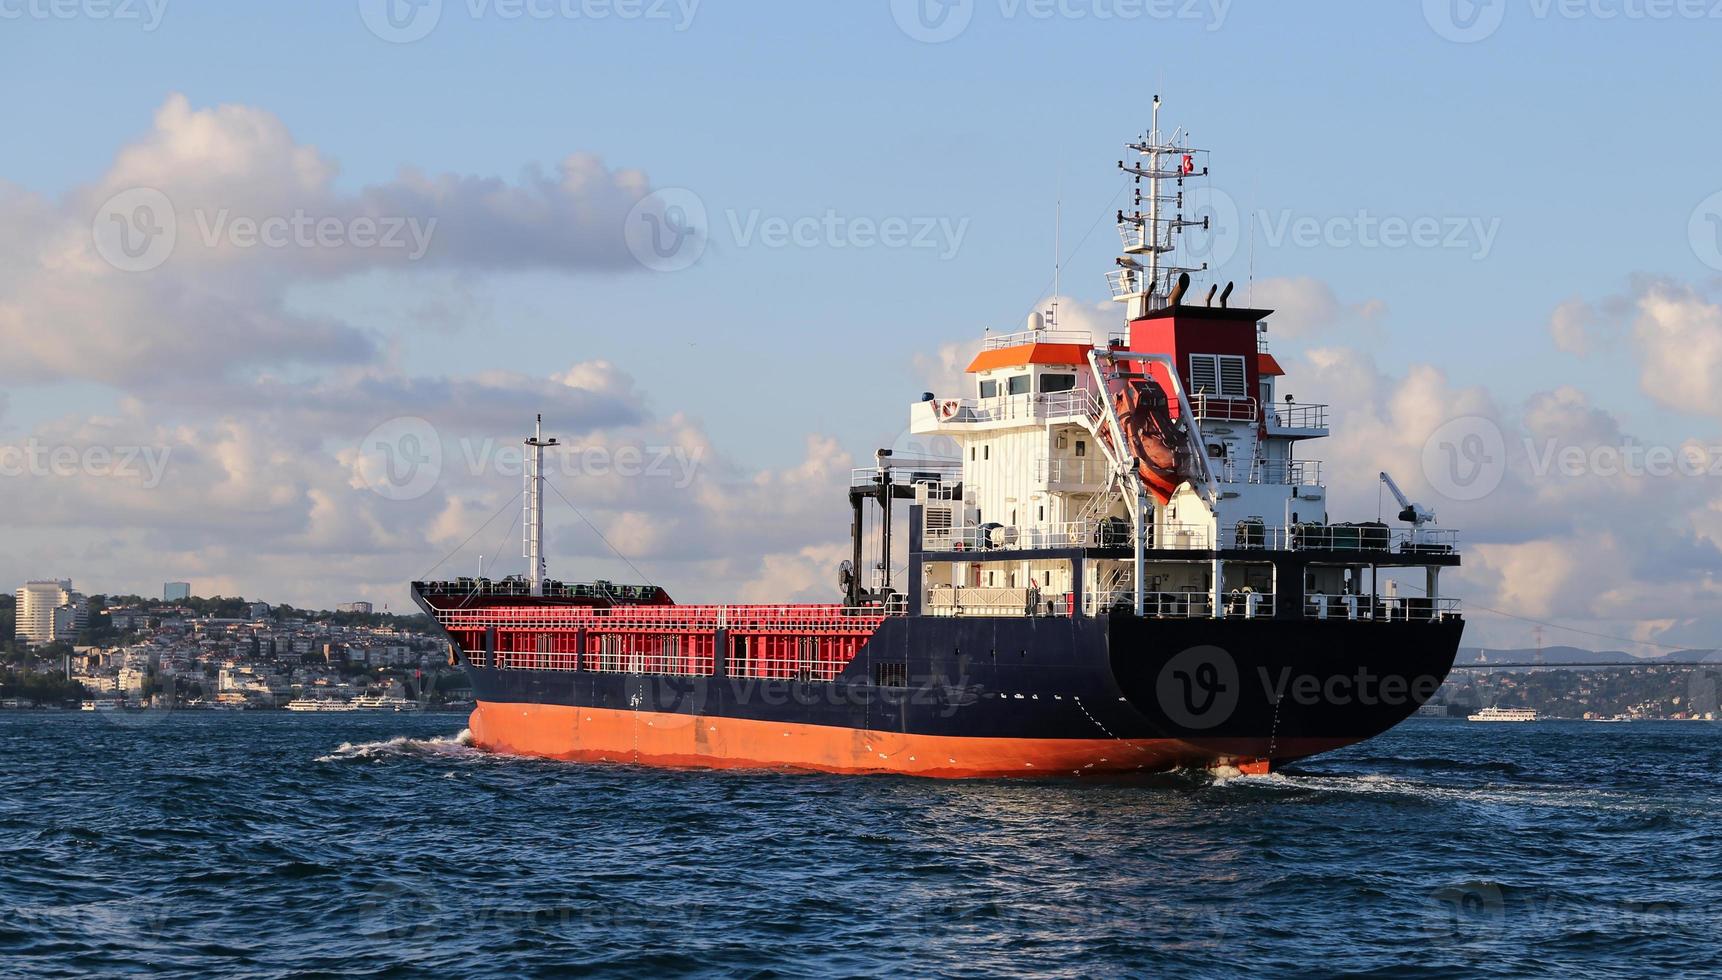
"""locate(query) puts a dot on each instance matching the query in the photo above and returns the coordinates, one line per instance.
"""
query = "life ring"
(948, 408)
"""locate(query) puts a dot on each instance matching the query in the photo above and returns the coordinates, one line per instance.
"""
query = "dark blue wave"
(276, 845)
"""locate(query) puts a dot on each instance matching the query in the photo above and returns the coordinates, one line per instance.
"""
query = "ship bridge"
(1038, 512)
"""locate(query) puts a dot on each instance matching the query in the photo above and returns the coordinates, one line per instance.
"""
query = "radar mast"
(1157, 217)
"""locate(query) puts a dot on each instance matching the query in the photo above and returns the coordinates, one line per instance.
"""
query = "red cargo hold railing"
(809, 642)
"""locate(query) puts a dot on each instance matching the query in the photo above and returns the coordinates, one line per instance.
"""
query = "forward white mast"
(534, 517)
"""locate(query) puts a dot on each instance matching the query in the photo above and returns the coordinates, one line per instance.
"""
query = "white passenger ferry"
(1504, 714)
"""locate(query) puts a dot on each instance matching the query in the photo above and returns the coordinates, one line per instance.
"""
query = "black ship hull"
(980, 696)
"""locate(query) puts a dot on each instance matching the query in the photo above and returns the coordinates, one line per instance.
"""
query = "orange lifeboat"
(1149, 435)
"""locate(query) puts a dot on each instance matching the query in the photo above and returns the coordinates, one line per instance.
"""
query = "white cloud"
(1571, 326)
(1304, 307)
(219, 298)
(1678, 336)
(1621, 553)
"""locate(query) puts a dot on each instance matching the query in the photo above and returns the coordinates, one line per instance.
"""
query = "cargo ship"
(1124, 564)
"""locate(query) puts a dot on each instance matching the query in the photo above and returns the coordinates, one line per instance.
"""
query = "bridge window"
(989, 389)
(1019, 385)
(1050, 383)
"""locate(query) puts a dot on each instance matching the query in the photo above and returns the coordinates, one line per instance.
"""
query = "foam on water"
(1490, 794)
(458, 747)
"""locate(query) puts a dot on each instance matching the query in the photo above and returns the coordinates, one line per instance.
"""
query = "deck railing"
(1075, 403)
(1183, 605)
(1385, 609)
(947, 600)
(1246, 536)
(811, 618)
(997, 341)
(1294, 416)
(1211, 408)
(1279, 472)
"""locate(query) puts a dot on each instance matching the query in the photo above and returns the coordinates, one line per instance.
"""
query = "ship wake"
(454, 747)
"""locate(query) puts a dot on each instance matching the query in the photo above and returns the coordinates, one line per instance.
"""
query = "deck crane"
(1416, 515)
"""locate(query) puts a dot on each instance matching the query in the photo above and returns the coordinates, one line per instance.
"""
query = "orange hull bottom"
(658, 739)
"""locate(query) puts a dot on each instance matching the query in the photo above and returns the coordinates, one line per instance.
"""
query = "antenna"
(1057, 251)
(1253, 188)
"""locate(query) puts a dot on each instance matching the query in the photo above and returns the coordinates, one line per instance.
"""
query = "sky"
(721, 246)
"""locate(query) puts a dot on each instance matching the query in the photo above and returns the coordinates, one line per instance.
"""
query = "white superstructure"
(1171, 438)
